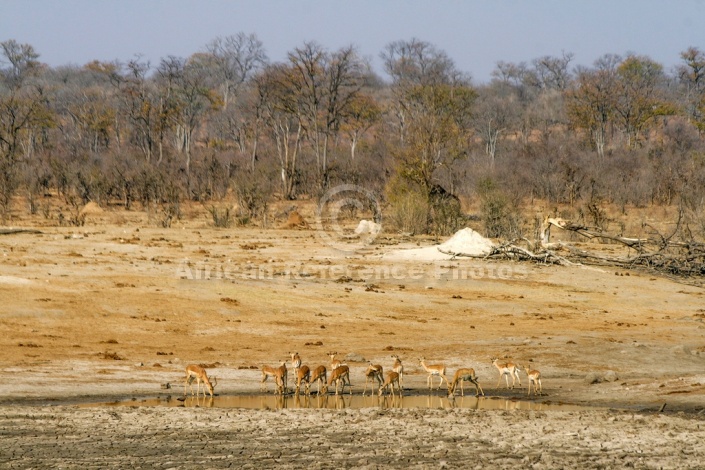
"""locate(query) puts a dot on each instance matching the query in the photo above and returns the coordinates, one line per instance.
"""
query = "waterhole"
(272, 401)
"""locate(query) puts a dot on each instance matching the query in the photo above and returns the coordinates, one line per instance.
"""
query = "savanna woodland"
(234, 131)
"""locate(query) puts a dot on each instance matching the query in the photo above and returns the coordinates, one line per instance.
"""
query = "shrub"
(408, 207)
(499, 214)
(221, 216)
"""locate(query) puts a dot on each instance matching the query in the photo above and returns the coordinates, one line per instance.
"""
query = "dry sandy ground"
(116, 310)
(65, 437)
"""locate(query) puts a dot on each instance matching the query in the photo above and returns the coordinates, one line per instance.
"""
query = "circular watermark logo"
(348, 203)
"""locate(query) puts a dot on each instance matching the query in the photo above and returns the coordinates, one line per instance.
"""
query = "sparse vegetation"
(616, 136)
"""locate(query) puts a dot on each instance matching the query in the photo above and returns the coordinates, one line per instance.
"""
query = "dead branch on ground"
(13, 231)
(657, 252)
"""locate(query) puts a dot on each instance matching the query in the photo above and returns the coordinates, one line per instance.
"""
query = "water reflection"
(276, 401)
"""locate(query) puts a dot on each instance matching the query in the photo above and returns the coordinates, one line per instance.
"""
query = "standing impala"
(374, 373)
(268, 371)
(435, 370)
(295, 362)
(398, 368)
(334, 363)
(534, 378)
(507, 369)
(198, 373)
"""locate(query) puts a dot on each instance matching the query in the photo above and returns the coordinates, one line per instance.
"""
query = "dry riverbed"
(117, 309)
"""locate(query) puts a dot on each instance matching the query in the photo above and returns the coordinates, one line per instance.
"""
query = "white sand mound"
(465, 241)
(367, 226)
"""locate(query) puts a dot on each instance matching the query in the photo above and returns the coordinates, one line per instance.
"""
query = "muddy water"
(346, 401)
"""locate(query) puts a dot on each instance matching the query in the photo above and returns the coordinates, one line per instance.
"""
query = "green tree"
(363, 112)
(438, 131)
(433, 105)
(639, 97)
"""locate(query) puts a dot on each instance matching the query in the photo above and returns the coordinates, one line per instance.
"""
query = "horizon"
(475, 35)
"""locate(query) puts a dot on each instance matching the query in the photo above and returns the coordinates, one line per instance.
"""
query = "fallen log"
(13, 231)
(590, 233)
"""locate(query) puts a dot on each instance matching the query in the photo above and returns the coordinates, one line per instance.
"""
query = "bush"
(499, 214)
(408, 207)
(446, 214)
(253, 192)
(221, 217)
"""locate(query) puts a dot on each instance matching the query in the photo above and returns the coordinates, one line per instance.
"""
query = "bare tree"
(495, 112)
(552, 72)
(410, 64)
(187, 98)
(282, 115)
(691, 75)
(22, 61)
(236, 58)
(591, 104)
(326, 85)
(23, 112)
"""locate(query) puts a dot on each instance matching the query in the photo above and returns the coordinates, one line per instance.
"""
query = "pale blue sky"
(475, 34)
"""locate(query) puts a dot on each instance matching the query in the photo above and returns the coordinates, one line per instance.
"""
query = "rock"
(368, 227)
(682, 349)
(593, 378)
(354, 357)
(610, 376)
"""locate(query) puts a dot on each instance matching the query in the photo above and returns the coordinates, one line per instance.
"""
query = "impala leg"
(478, 387)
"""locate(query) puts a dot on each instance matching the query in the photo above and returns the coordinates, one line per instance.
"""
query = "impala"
(334, 363)
(392, 378)
(374, 373)
(198, 373)
(267, 371)
(507, 369)
(462, 375)
(341, 373)
(275, 372)
(534, 378)
(295, 361)
(319, 375)
(435, 370)
(282, 378)
(398, 368)
(303, 374)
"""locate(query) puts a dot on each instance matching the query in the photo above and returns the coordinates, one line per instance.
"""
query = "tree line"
(227, 122)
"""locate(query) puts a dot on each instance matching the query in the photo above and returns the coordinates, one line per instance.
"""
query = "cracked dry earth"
(65, 437)
(117, 310)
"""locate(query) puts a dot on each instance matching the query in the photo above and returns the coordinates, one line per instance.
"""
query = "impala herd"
(374, 374)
